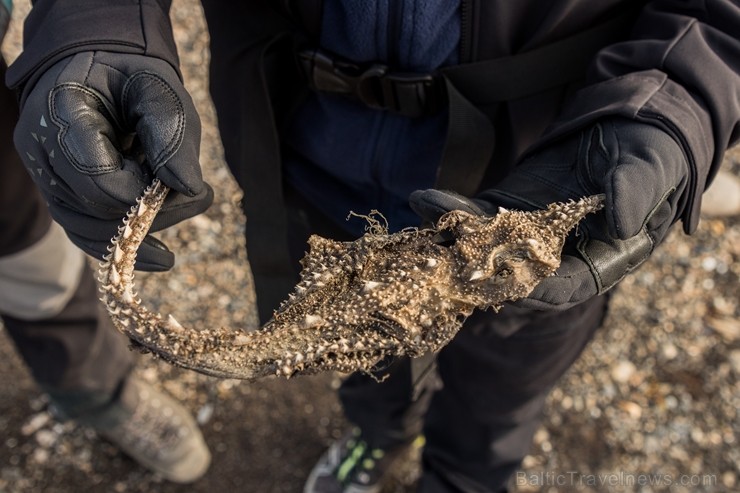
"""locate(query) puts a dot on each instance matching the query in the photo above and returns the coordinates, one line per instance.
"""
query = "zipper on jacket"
(468, 14)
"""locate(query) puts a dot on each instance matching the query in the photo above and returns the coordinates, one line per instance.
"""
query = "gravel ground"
(652, 405)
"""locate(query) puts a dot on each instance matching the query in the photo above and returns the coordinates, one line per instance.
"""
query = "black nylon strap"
(468, 145)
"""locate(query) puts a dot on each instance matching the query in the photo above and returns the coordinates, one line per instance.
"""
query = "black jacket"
(678, 68)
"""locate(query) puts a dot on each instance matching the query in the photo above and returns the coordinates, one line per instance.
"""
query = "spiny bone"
(174, 325)
(358, 302)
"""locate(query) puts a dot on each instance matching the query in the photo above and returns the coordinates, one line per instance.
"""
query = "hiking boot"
(150, 427)
(352, 466)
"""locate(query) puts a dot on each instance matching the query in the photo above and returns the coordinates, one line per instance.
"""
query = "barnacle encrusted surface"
(405, 293)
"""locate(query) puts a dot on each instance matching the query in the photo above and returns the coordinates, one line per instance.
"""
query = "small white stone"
(204, 414)
(34, 424)
(669, 351)
(623, 371)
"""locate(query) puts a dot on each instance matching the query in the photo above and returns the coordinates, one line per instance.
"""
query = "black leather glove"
(95, 130)
(640, 168)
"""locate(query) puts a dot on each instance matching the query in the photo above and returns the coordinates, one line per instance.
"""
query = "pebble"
(727, 327)
(735, 360)
(204, 414)
(729, 479)
(35, 422)
(669, 351)
(623, 370)
(40, 455)
(46, 438)
(632, 409)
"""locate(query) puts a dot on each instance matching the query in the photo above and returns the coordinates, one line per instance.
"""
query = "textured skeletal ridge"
(358, 302)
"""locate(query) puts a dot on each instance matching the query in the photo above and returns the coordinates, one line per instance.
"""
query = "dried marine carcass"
(358, 302)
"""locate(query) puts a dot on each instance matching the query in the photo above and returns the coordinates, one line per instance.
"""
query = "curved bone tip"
(128, 296)
(174, 325)
(117, 253)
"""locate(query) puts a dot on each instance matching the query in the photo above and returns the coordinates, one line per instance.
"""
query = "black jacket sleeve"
(679, 70)
(56, 29)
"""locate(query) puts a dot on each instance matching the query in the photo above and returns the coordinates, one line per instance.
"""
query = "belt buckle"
(408, 94)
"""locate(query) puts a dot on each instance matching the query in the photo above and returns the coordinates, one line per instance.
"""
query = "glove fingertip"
(430, 204)
(154, 256)
(188, 186)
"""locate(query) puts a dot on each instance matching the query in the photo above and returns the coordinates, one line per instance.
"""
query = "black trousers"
(479, 426)
(75, 354)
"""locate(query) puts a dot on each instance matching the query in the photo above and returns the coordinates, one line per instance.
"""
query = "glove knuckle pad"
(159, 113)
(74, 109)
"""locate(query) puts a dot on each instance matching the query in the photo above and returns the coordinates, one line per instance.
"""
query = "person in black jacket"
(49, 307)
(462, 104)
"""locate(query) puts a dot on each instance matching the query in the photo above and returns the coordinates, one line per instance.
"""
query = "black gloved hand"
(95, 130)
(642, 171)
